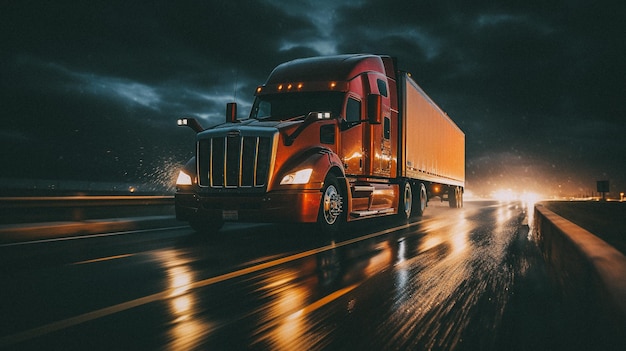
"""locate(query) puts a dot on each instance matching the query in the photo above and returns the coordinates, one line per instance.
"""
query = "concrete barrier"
(590, 274)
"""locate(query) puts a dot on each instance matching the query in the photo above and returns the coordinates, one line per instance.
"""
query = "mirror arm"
(191, 123)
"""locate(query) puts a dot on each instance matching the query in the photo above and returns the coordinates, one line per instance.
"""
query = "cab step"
(369, 213)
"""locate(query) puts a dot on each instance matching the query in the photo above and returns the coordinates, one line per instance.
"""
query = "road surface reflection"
(187, 329)
(415, 287)
(425, 285)
(455, 279)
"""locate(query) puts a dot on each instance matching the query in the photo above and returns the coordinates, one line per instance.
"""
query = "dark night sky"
(90, 90)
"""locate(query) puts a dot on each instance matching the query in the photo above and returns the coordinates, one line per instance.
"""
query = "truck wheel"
(406, 202)
(423, 200)
(452, 197)
(206, 226)
(331, 213)
(455, 197)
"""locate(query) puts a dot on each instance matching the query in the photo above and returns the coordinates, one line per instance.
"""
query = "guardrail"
(75, 208)
(590, 274)
(69, 201)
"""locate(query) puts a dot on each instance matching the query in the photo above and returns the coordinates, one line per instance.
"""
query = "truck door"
(352, 151)
(379, 136)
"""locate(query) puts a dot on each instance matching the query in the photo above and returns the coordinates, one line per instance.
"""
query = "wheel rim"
(332, 204)
(422, 198)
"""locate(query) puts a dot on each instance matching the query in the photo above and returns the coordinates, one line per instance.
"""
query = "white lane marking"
(169, 293)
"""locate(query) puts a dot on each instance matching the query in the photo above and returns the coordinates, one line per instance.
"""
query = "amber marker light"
(333, 85)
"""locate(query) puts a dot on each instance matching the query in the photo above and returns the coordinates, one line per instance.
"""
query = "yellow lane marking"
(323, 301)
(109, 258)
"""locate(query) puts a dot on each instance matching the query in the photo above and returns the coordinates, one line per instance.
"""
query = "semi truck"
(329, 140)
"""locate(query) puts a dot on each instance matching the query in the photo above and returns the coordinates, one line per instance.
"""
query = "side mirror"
(314, 116)
(231, 112)
(374, 108)
(308, 120)
(191, 123)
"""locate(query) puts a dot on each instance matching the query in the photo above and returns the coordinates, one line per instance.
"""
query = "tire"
(405, 210)
(331, 215)
(206, 226)
(455, 197)
(452, 197)
(422, 200)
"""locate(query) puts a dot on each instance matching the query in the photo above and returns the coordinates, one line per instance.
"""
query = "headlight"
(183, 179)
(300, 177)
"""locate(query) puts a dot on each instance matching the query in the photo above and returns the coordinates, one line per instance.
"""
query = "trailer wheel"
(331, 213)
(423, 200)
(455, 197)
(406, 202)
(206, 226)
(452, 197)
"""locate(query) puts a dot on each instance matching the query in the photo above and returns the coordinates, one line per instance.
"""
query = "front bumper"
(300, 206)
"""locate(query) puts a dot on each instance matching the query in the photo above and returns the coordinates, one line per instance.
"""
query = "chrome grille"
(234, 161)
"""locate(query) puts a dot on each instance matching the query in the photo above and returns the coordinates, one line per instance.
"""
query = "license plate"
(230, 215)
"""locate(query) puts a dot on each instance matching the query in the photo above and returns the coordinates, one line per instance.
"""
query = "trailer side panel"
(434, 145)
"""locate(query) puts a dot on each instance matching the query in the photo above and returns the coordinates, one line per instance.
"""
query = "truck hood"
(280, 125)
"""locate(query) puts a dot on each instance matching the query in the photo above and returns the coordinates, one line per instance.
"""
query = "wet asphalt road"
(455, 279)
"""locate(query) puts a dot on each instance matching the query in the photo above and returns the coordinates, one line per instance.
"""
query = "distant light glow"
(507, 195)
(504, 195)
(530, 198)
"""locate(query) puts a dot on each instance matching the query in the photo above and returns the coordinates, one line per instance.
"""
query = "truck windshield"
(280, 107)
